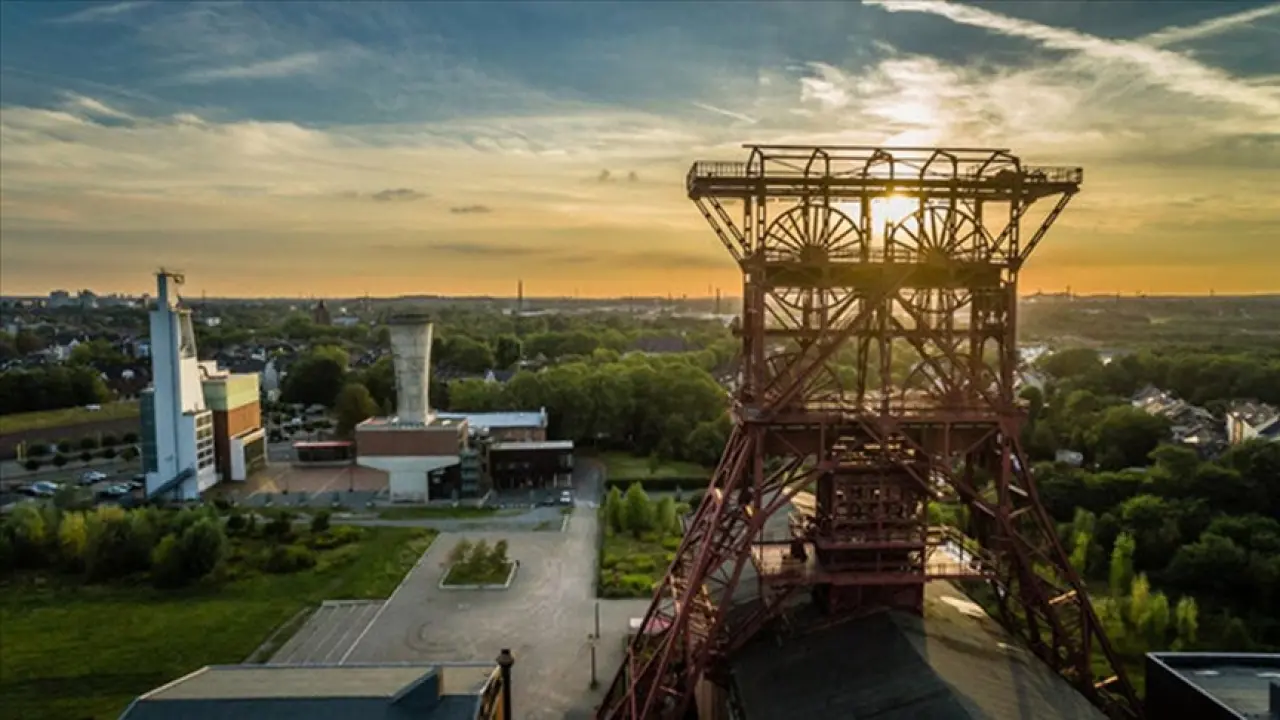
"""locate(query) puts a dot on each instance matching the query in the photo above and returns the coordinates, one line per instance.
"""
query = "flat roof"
(318, 444)
(1239, 681)
(219, 682)
(492, 420)
(533, 445)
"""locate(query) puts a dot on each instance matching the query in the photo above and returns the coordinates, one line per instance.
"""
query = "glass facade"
(147, 437)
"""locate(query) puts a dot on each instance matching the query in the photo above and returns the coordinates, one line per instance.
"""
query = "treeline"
(1203, 529)
(1200, 377)
(170, 548)
(51, 388)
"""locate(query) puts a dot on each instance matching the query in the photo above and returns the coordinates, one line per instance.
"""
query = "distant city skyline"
(295, 149)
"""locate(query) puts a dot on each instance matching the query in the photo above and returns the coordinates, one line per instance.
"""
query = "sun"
(889, 210)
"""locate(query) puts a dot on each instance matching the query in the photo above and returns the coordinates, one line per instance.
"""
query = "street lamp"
(505, 661)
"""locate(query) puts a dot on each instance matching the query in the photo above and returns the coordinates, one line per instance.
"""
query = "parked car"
(44, 488)
(89, 477)
(115, 491)
(566, 498)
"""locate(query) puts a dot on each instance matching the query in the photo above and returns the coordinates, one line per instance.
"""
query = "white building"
(1247, 421)
(177, 426)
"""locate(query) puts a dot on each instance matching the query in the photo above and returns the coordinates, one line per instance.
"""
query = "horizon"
(330, 150)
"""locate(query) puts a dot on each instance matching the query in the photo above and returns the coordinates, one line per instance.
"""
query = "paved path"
(328, 634)
(545, 618)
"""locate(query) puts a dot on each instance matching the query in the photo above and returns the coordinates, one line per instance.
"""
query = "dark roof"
(1240, 681)
(377, 692)
(953, 664)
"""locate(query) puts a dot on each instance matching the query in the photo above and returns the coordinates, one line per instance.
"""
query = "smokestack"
(411, 355)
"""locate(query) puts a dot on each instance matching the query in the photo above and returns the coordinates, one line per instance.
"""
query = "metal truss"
(878, 358)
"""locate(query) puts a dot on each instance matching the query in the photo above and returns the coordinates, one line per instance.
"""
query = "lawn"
(85, 651)
(625, 466)
(46, 419)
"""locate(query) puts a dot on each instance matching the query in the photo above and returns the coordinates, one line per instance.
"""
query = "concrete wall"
(411, 355)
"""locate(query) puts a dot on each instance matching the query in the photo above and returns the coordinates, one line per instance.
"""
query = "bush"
(59, 460)
(280, 528)
(320, 522)
(89, 442)
(336, 537)
(116, 547)
(660, 484)
(6, 554)
(86, 456)
(460, 552)
(31, 536)
(107, 453)
(166, 564)
(64, 446)
(287, 559)
(129, 453)
(73, 540)
(129, 438)
(109, 440)
(32, 465)
(38, 450)
(235, 523)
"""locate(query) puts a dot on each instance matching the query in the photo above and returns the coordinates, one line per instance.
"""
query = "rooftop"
(1241, 682)
(500, 420)
(544, 445)
(390, 691)
(955, 663)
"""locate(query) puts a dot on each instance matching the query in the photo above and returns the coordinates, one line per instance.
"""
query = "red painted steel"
(878, 374)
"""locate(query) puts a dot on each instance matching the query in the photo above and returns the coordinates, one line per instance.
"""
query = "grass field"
(623, 465)
(77, 651)
(46, 419)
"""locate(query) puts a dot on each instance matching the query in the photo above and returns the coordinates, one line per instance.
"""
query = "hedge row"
(659, 484)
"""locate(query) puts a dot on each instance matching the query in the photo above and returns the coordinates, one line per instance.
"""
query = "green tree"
(1122, 565)
(638, 510)
(1187, 623)
(665, 517)
(615, 513)
(354, 405)
(317, 377)
(507, 351)
(1124, 436)
(320, 522)
(73, 540)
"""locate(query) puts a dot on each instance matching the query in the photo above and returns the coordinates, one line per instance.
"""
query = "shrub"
(335, 537)
(320, 522)
(6, 554)
(129, 438)
(280, 528)
(166, 564)
(460, 552)
(86, 456)
(235, 523)
(89, 442)
(287, 559)
(64, 446)
(671, 543)
(129, 453)
(109, 440)
(638, 511)
(32, 464)
(30, 534)
(115, 548)
(38, 450)
(665, 519)
(107, 453)
(643, 564)
(59, 460)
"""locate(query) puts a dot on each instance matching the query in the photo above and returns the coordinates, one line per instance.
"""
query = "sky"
(294, 149)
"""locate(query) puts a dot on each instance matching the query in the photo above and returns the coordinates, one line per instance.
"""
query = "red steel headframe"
(879, 354)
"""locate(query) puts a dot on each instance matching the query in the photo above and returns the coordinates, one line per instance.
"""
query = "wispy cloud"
(1210, 27)
(1159, 67)
(397, 195)
(302, 63)
(727, 113)
(471, 210)
(101, 12)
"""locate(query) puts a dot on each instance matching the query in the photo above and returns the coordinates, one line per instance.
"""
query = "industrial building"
(429, 455)
(439, 691)
(200, 424)
(1213, 686)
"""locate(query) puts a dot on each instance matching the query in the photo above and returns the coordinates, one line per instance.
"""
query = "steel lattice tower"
(877, 372)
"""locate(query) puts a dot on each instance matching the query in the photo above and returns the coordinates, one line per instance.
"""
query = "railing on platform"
(703, 171)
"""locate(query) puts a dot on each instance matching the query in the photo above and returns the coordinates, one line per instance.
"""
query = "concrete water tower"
(411, 356)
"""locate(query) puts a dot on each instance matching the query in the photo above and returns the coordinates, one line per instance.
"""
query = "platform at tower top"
(954, 662)
(851, 172)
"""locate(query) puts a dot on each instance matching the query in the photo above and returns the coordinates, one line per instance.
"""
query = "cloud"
(303, 63)
(397, 195)
(101, 12)
(727, 113)
(471, 210)
(1162, 68)
(1208, 28)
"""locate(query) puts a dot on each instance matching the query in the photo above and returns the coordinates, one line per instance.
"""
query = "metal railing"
(704, 170)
